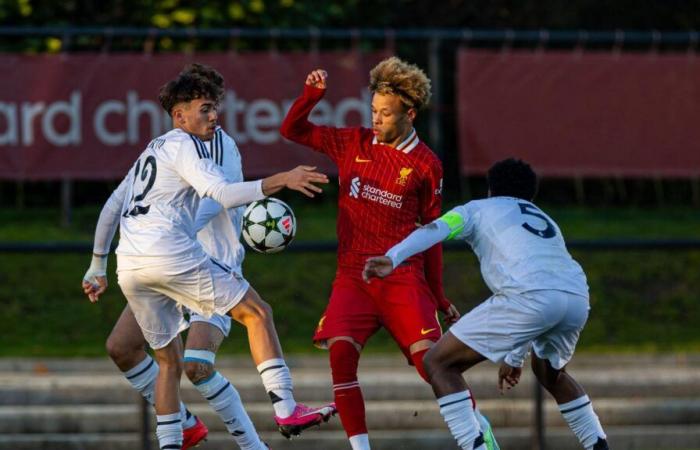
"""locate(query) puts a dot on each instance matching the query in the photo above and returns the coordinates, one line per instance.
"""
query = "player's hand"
(95, 279)
(451, 316)
(94, 287)
(317, 79)
(377, 267)
(510, 375)
(302, 179)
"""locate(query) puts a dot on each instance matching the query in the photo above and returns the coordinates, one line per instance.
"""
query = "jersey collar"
(407, 145)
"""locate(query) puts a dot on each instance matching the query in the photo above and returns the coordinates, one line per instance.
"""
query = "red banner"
(581, 114)
(89, 116)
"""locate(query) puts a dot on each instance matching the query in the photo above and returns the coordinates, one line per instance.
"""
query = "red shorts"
(402, 303)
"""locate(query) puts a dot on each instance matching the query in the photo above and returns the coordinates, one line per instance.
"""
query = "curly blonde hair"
(408, 81)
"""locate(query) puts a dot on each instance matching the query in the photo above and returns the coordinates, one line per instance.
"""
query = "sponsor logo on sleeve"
(438, 191)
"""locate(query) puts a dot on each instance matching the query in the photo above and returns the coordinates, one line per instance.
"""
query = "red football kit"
(385, 192)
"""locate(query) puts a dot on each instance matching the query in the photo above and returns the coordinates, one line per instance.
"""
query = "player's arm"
(209, 181)
(416, 242)
(446, 227)
(95, 279)
(296, 125)
(431, 207)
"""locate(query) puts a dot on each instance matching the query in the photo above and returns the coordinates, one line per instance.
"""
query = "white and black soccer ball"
(269, 225)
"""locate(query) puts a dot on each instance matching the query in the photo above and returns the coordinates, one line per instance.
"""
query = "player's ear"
(411, 113)
(178, 116)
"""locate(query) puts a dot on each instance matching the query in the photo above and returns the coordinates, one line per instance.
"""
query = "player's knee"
(545, 377)
(252, 311)
(118, 352)
(170, 360)
(197, 371)
(430, 364)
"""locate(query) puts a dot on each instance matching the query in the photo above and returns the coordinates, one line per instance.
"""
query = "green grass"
(641, 300)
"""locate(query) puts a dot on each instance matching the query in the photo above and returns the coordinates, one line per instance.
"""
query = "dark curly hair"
(186, 87)
(207, 72)
(512, 178)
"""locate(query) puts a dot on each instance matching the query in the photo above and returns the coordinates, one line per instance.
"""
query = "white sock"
(143, 378)
(360, 442)
(583, 421)
(188, 419)
(483, 423)
(226, 401)
(278, 384)
(169, 431)
(457, 411)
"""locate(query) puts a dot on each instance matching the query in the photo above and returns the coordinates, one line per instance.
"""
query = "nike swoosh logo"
(360, 160)
(423, 331)
(320, 412)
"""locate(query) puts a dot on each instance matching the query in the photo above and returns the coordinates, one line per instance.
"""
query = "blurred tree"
(588, 14)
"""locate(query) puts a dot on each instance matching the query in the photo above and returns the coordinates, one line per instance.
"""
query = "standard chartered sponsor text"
(135, 120)
(381, 196)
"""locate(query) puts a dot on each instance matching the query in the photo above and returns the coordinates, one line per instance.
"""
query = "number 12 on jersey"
(142, 172)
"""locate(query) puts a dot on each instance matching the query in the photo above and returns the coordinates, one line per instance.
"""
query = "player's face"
(197, 117)
(391, 120)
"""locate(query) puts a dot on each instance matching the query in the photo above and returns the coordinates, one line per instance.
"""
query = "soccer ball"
(269, 225)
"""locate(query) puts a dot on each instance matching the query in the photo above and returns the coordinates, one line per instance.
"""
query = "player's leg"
(417, 351)
(444, 364)
(207, 288)
(484, 333)
(167, 395)
(574, 404)
(160, 320)
(409, 313)
(344, 353)
(551, 352)
(126, 346)
(203, 341)
(291, 417)
(349, 320)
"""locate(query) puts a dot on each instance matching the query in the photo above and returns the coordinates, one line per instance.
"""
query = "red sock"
(417, 359)
(346, 389)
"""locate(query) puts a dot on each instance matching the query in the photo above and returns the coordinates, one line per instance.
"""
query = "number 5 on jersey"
(530, 210)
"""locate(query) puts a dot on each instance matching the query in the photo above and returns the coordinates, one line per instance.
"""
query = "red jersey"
(384, 191)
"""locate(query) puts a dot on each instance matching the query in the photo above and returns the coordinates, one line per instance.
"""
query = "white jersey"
(220, 237)
(520, 248)
(160, 196)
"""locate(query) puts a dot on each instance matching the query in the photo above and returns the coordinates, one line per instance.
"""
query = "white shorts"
(223, 323)
(157, 294)
(551, 321)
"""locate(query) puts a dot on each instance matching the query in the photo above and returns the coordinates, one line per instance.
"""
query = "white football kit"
(160, 265)
(540, 294)
(219, 229)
